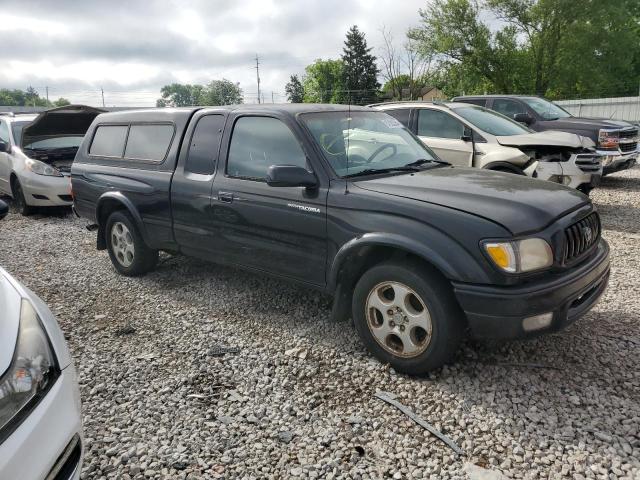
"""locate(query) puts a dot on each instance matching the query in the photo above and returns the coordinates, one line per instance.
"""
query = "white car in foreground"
(40, 416)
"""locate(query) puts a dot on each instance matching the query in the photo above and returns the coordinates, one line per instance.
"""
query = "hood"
(10, 299)
(518, 203)
(67, 121)
(591, 122)
(548, 138)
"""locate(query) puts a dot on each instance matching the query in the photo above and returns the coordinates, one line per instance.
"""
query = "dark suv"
(347, 201)
(616, 140)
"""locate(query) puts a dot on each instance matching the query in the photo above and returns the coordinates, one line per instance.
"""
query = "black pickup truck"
(347, 201)
(617, 141)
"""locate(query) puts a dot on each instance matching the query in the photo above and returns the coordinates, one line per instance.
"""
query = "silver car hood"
(11, 294)
(549, 138)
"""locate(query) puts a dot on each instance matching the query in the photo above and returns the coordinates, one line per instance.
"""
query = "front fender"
(457, 264)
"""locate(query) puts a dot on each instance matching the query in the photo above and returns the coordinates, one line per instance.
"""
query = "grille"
(580, 237)
(628, 147)
(631, 133)
(588, 163)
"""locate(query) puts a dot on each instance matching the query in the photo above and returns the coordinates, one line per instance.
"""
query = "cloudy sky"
(132, 48)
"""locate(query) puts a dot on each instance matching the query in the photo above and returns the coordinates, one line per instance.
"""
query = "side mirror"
(290, 176)
(5, 147)
(523, 118)
(467, 135)
(4, 209)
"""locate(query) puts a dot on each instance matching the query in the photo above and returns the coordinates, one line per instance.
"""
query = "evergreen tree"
(295, 90)
(360, 72)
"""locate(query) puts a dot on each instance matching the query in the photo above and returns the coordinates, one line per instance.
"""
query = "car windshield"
(546, 109)
(366, 142)
(16, 128)
(491, 122)
(54, 143)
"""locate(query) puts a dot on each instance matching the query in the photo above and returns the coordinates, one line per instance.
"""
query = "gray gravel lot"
(297, 399)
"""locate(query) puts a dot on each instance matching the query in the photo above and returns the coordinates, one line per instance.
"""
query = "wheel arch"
(108, 203)
(502, 166)
(361, 253)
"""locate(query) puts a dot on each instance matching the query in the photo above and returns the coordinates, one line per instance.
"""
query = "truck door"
(192, 183)
(281, 230)
(444, 135)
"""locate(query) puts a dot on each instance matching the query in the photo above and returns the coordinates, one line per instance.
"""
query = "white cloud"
(133, 48)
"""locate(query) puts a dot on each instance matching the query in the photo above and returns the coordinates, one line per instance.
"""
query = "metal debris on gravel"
(284, 416)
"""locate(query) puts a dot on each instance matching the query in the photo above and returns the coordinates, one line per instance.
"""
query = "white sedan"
(40, 416)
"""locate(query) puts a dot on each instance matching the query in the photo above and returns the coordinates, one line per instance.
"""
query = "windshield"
(546, 109)
(16, 128)
(366, 141)
(54, 143)
(491, 122)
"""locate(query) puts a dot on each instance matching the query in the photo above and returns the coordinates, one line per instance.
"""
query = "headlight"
(32, 372)
(608, 139)
(41, 168)
(521, 255)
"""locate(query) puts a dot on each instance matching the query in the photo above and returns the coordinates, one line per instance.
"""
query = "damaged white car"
(472, 136)
(36, 153)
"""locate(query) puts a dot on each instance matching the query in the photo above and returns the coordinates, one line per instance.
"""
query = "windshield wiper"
(422, 161)
(372, 171)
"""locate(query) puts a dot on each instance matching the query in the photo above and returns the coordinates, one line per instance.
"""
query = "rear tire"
(19, 201)
(128, 252)
(407, 316)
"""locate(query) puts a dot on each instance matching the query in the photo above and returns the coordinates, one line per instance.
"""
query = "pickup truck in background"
(617, 141)
(345, 200)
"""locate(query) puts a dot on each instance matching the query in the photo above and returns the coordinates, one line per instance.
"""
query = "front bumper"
(50, 438)
(499, 312)
(615, 161)
(580, 170)
(44, 191)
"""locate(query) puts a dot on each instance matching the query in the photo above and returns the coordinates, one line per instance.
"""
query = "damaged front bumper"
(581, 170)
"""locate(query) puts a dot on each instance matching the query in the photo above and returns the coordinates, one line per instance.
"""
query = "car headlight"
(608, 139)
(521, 255)
(41, 168)
(32, 372)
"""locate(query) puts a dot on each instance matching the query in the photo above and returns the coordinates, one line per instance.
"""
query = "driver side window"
(4, 132)
(259, 142)
(508, 108)
(434, 123)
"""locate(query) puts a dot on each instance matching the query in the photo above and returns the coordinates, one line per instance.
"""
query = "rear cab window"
(141, 142)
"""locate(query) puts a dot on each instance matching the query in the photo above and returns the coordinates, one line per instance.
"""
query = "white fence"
(620, 108)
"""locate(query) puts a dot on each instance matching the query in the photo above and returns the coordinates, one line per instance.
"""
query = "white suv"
(36, 153)
(467, 135)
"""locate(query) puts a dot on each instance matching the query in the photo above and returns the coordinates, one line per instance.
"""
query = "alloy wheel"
(122, 244)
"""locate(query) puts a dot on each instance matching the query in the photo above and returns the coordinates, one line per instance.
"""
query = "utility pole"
(102, 93)
(272, 100)
(258, 76)
(47, 90)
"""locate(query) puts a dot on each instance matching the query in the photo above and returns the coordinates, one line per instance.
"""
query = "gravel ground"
(297, 398)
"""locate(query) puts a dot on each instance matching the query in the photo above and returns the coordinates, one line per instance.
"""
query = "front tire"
(407, 317)
(19, 201)
(128, 252)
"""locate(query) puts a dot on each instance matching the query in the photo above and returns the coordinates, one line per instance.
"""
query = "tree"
(294, 90)
(179, 95)
(323, 81)
(221, 92)
(216, 92)
(61, 102)
(360, 72)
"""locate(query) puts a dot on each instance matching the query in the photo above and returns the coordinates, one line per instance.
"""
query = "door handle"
(226, 197)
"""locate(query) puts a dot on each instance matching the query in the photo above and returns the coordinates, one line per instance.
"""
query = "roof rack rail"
(395, 102)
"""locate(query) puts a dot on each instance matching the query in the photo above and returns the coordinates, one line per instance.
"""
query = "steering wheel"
(328, 141)
(382, 148)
